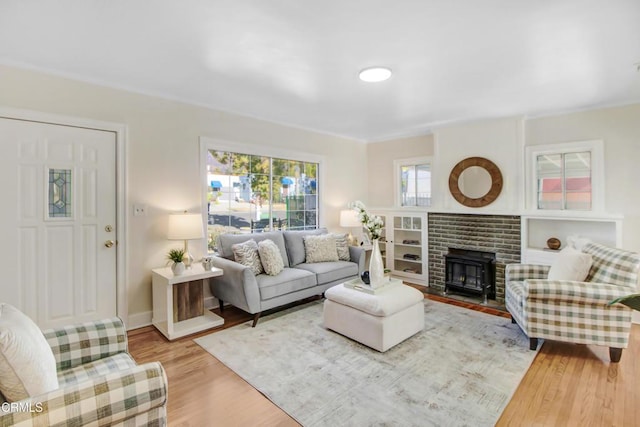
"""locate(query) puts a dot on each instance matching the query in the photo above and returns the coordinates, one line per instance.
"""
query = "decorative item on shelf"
(207, 263)
(176, 256)
(387, 274)
(349, 219)
(373, 224)
(186, 227)
(410, 242)
(554, 243)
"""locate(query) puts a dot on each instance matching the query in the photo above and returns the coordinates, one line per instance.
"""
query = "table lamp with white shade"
(185, 226)
(349, 219)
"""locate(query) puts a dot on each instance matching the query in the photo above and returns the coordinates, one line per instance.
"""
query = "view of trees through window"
(249, 193)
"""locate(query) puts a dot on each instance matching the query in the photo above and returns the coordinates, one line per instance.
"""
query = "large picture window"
(253, 193)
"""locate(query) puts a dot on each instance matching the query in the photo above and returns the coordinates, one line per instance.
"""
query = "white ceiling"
(296, 62)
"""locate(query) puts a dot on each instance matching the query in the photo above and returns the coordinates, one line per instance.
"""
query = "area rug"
(461, 370)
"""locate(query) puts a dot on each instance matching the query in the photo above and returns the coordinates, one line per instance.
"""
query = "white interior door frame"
(122, 204)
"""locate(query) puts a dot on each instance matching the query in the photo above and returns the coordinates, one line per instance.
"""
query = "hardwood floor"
(566, 385)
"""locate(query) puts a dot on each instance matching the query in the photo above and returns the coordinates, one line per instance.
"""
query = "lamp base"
(188, 258)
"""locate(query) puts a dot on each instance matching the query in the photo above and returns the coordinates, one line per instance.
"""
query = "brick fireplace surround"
(490, 233)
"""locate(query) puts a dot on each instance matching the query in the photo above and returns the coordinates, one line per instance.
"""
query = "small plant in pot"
(176, 256)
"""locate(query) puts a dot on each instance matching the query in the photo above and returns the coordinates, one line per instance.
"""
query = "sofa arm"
(82, 343)
(526, 271)
(358, 256)
(573, 292)
(237, 285)
(103, 400)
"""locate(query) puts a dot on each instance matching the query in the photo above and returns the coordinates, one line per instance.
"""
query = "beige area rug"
(461, 370)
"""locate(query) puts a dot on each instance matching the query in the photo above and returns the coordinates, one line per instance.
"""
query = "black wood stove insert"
(471, 272)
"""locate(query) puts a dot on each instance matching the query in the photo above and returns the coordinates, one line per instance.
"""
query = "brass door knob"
(109, 243)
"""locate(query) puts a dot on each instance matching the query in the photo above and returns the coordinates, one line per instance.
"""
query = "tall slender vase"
(376, 268)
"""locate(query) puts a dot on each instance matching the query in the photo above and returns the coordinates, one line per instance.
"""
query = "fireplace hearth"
(471, 272)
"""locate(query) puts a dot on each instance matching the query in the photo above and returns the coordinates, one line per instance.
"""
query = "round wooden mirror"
(475, 182)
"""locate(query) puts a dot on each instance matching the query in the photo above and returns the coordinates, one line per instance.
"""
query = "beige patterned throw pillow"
(321, 248)
(270, 257)
(342, 246)
(246, 253)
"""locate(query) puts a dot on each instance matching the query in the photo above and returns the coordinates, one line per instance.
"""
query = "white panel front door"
(57, 219)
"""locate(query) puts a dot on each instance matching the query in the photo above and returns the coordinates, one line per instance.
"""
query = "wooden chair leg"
(615, 354)
(533, 343)
(221, 304)
(255, 319)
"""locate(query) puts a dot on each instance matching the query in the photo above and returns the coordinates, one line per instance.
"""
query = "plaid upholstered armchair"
(98, 383)
(575, 311)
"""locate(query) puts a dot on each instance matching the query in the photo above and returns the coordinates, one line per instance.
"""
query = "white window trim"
(596, 147)
(397, 164)
(208, 143)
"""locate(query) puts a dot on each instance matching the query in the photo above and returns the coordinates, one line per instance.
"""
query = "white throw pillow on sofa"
(270, 257)
(27, 364)
(570, 264)
(320, 248)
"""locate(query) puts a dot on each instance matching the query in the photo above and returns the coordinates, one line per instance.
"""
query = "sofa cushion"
(320, 248)
(270, 257)
(327, 272)
(225, 241)
(295, 244)
(342, 246)
(27, 363)
(289, 280)
(246, 253)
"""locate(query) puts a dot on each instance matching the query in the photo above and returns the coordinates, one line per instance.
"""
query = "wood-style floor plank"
(566, 385)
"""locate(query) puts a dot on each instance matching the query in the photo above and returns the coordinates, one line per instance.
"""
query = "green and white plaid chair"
(99, 383)
(572, 311)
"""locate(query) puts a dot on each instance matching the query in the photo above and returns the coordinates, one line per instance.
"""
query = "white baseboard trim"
(140, 320)
(636, 317)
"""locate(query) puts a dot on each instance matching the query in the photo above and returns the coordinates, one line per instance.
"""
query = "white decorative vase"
(376, 268)
(178, 268)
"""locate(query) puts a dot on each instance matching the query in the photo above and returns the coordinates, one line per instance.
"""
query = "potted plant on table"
(176, 256)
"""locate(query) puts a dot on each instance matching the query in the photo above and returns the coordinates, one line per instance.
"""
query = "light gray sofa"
(255, 294)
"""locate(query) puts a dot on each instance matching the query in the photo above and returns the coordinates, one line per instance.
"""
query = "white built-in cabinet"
(538, 228)
(404, 245)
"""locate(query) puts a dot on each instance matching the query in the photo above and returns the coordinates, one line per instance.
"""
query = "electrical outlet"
(139, 210)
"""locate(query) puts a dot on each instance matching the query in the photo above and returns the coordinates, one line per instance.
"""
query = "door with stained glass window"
(58, 221)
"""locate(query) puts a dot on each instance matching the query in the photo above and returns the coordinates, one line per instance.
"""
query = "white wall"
(619, 128)
(163, 158)
(499, 141)
(380, 157)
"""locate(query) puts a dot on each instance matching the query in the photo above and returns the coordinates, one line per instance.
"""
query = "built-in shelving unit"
(404, 245)
(538, 228)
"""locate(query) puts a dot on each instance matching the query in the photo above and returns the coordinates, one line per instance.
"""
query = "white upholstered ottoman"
(378, 321)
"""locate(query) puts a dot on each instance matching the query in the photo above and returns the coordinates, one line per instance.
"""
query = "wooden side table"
(178, 302)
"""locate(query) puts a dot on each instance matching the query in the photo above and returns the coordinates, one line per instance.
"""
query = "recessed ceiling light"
(375, 74)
